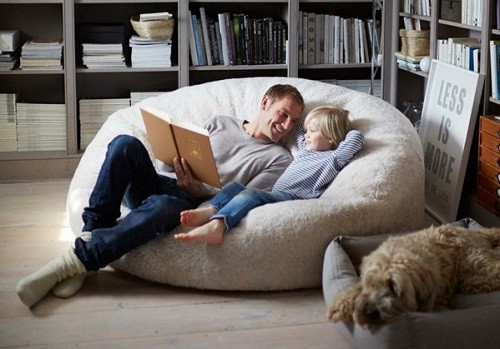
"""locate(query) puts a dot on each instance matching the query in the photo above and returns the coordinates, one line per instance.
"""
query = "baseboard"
(37, 169)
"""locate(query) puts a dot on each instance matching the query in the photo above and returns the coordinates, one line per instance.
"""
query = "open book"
(171, 139)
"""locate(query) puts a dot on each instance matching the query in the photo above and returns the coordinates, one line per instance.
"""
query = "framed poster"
(446, 129)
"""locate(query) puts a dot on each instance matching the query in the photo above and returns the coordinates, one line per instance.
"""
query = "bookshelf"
(410, 85)
(63, 19)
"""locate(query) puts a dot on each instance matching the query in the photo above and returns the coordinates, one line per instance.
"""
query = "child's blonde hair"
(333, 123)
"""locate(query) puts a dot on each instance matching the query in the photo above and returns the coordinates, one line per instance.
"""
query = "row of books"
(461, 52)
(417, 7)
(236, 39)
(94, 112)
(331, 39)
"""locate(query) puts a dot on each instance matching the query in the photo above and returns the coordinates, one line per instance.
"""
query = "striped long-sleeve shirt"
(312, 171)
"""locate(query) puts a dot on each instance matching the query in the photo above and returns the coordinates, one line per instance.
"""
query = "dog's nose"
(372, 313)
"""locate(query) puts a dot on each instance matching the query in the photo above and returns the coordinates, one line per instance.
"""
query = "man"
(245, 152)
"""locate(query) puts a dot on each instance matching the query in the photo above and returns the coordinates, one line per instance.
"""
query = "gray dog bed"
(469, 321)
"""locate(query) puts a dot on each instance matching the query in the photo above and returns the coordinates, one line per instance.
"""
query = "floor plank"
(117, 310)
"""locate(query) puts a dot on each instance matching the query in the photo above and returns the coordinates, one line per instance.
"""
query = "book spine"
(326, 39)
(197, 40)
(346, 32)
(214, 42)
(230, 39)
(319, 45)
(300, 45)
(248, 24)
(336, 38)
(493, 69)
(206, 38)
(311, 38)
(238, 49)
(224, 39)
(305, 37)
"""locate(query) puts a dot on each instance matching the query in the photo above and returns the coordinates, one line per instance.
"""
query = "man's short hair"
(280, 91)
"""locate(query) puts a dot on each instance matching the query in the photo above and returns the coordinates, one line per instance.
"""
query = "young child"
(325, 148)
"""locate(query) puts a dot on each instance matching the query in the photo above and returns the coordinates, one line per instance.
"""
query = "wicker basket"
(153, 29)
(414, 42)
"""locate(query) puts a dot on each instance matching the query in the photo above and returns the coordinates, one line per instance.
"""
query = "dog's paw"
(340, 312)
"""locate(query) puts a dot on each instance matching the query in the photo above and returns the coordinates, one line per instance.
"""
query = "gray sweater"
(242, 158)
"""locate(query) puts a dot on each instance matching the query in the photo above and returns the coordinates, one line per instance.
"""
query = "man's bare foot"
(197, 217)
(211, 232)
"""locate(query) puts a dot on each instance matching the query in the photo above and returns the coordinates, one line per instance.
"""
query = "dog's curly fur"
(417, 271)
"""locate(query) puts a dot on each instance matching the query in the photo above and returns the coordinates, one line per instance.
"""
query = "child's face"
(315, 139)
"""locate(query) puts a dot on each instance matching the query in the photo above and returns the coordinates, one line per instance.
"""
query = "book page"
(160, 135)
(196, 149)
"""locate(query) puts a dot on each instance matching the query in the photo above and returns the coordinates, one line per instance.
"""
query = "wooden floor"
(116, 310)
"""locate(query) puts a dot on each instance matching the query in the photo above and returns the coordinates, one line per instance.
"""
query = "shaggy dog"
(417, 271)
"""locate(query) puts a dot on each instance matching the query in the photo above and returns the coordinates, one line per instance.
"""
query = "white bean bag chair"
(277, 246)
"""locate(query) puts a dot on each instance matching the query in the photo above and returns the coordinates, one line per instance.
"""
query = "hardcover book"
(171, 139)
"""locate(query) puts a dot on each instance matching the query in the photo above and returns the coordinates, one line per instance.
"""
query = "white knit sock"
(34, 287)
(69, 287)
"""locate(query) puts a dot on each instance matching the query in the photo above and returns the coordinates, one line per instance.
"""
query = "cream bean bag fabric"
(277, 246)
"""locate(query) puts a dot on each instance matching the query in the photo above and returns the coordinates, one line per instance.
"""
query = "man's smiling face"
(279, 118)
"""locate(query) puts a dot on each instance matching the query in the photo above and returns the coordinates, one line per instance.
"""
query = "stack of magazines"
(136, 96)
(93, 113)
(41, 126)
(150, 53)
(40, 54)
(103, 56)
(8, 131)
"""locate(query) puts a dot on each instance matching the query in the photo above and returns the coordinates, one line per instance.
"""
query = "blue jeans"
(235, 200)
(156, 201)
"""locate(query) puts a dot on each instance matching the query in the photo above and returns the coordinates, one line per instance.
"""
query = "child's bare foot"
(197, 217)
(211, 232)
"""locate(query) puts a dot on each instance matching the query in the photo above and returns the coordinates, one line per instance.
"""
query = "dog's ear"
(393, 286)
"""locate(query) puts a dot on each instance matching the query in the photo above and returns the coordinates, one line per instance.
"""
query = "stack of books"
(147, 53)
(41, 126)
(40, 54)
(93, 113)
(407, 62)
(9, 55)
(136, 97)
(103, 56)
(101, 45)
(8, 125)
